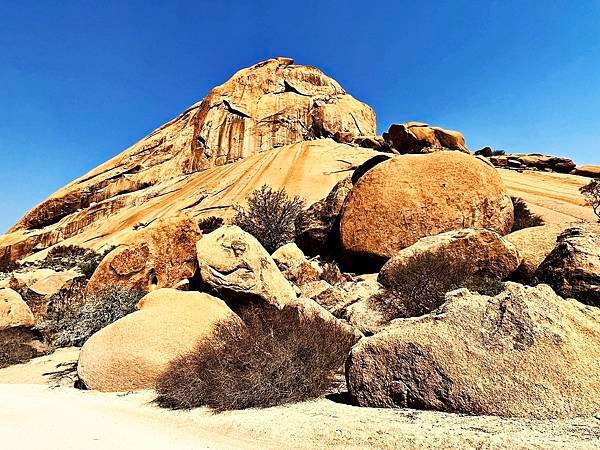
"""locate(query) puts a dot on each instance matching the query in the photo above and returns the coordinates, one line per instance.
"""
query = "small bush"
(422, 288)
(209, 224)
(65, 257)
(278, 357)
(332, 274)
(591, 192)
(524, 218)
(270, 217)
(71, 319)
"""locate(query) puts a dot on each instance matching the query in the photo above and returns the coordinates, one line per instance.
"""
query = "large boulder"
(234, 264)
(14, 312)
(526, 352)
(131, 353)
(18, 341)
(159, 255)
(534, 245)
(418, 137)
(478, 252)
(412, 196)
(317, 228)
(573, 267)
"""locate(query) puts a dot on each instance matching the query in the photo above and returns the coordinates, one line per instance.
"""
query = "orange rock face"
(267, 106)
(412, 196)
(417, 137)
(160, 255)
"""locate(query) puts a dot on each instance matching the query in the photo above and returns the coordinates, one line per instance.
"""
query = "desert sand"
(66, 418)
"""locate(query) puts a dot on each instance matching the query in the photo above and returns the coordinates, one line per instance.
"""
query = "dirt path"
(34, 416)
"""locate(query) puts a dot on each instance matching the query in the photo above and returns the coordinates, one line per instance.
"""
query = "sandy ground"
(553, 196)
(35, 415)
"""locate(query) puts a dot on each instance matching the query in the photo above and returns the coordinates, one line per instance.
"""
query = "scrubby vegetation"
(270, 217)
(524, 218)
(72, 318)
(591, 192)
(422, 288)
(209, 224)
(332, 274)
(64, 257)
(276, 357)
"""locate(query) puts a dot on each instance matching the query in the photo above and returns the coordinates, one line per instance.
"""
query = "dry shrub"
(65, 257)
(524, 218)
(332, 274)
(421, 286)
(72, 319)
(270, 217)
(279, 356)
(210, 224)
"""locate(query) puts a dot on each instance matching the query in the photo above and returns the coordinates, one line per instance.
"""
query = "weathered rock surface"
(132, 352)
(317, 229)
(308, 169)
(412, 196)
(288, 256)
(157, 256)
(267, 106)
(14, 312)
(417, 137)
(534, 161)
(18, 342)
(526, 352)
(479, 252)
(234, 264)
(534, 245)
(587, 171)
(573, 267)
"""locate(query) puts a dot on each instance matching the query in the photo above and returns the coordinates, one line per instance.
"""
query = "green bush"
(277, 357)
(270, 217)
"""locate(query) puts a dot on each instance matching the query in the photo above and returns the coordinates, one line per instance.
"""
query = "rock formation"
(412, 196)
(417, 137)
(132, 352)
(526, 352)
(479, 252)
(534, 245)
(234, 264)
(267, 106)
(573, 266)
(160, 255)
(14, 312)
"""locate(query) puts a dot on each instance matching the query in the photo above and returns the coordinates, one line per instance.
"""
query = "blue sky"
(82, 80)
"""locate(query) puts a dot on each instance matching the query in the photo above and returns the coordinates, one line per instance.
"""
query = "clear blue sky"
(82, 80)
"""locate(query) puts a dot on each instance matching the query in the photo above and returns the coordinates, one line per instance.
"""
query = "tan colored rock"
(288, 256)
(54, 283)
(233, 263)
(14, 312)
(132, 352)
(316, 230)
(159, 255)
(479, 252)
(308, 169)
(587, 171)
(23, 280)
(417, 137)
(305, 272)
(412, 196)
(525, 353)
(572, 268)
(269, 105)
(534, 245)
